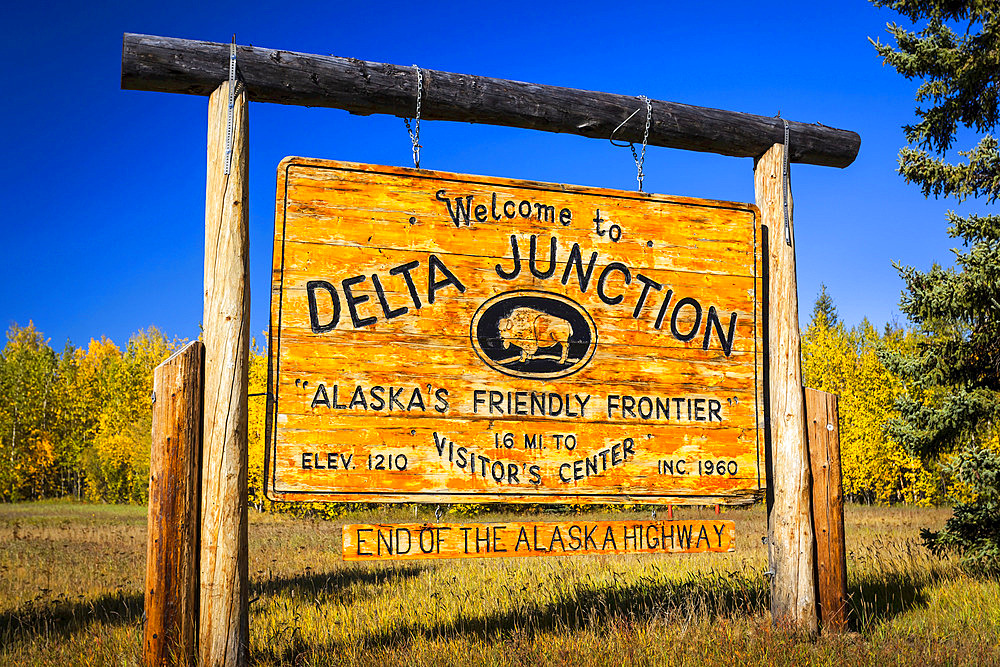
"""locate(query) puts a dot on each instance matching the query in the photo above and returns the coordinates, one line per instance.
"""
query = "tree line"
(77, 423)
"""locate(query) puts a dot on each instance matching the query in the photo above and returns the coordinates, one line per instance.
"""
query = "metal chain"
(784, 185)
(232, 103)
(640, 158)
(414, 132)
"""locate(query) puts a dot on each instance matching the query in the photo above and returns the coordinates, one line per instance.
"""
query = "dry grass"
(71, 593)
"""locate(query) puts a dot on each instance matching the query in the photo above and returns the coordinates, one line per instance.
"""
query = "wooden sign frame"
(690, 326)
(200, 68)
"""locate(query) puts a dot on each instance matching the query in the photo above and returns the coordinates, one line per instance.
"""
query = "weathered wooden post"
(790, 531)
(823, 420)
(224, 617)
(174, 495)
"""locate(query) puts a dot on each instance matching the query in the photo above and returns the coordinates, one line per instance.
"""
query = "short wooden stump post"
(823, 422)
(171, 607)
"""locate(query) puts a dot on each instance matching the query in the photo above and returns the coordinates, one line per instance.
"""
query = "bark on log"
(790, 531)
(170, 635)
(193, 67)
(224, 628)
(823, 422)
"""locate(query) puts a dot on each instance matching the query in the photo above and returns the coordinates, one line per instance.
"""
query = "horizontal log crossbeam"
(193, 67)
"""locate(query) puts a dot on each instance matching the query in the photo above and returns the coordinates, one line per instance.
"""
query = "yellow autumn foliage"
(846, 362)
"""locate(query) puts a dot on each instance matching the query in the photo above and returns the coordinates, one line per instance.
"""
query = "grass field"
(71, 580)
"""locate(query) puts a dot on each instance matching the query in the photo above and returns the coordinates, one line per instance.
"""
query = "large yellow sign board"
(449, 338)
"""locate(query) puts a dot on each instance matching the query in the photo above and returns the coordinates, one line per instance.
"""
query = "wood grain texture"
(193, 67)
(389, 401)
(413, 541)
(823, 420)
(791, 541)
(171, 601)
(224, 628)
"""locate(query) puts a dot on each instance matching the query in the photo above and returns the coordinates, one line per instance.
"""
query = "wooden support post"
(224, 626)
(174, 495)
(790, 531)
(823, 421)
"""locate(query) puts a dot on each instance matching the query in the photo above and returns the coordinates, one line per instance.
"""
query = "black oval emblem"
(533, 334)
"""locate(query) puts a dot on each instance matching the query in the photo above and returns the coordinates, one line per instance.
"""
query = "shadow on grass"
(875, 601)
(340, 585)
(583, 606)
(700, 597)
(62, 617)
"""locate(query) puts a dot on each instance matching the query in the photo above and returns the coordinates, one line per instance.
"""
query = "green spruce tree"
(824, 311)
(953, 378)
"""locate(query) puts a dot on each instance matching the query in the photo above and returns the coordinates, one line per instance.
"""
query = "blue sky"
(103, 189)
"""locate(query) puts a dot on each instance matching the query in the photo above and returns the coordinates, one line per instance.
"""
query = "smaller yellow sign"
(408, 541)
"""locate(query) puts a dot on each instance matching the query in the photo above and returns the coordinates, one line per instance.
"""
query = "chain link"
(414, 131)
(232, 103)
(640, 158)
(784, 185)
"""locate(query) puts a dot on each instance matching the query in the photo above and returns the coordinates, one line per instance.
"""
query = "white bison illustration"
(531, 329)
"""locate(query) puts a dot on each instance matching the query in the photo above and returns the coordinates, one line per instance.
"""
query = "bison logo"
(530, 333)
(531, 329)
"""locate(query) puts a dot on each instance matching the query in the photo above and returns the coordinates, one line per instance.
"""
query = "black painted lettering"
(628, 406)
(545, 213)
(404, 270)
(337, 405)
(314, 322)
(552, 259)
(416, 400)
(386, 310)
(394, 394)
(460, 213)
(377, 401)
(358, 398)
(353, 301)
(646, 284)
(612, 403)
(433, 266)
(645, 407)
(493, 207)
(583, 277)
(663, 309)
(362, 541)
(320, 398)
(602, 280)
(441, 400)
(628, 447)
(513, 273)
(685, 337)
(713, 321)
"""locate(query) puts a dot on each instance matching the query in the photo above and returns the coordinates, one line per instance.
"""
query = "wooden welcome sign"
(449, 338)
